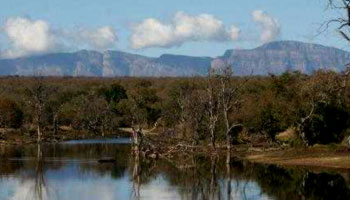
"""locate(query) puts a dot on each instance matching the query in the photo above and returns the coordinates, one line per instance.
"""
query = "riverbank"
(318, 156)
(333, 157)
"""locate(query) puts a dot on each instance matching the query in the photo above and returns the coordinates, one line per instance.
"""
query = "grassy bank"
(336, 157)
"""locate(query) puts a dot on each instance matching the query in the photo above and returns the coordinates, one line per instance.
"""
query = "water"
(70, 171)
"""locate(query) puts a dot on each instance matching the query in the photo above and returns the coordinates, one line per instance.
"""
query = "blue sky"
(81, 20)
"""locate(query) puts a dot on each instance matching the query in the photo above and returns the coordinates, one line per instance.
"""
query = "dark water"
(70, 171)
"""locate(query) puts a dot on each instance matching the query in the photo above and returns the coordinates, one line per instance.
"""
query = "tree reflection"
(136, 177)
(228, 175)
(40, 185)
(38, 189)
(194, 177)
(213, 179)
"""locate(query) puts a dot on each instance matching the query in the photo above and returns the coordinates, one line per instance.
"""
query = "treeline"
(219, 107)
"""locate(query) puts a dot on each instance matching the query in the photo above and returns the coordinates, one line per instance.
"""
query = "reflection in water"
(228, 172)
(32, 185)
(136, 177)
(40, 189)
(213, 178)
(66, 172)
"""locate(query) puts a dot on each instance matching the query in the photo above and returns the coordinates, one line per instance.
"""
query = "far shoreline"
(333, 157)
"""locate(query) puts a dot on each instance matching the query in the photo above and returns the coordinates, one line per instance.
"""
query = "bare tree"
(37, 95)
(212, 104)
(230, 101)
(343, 21)
(137, 139)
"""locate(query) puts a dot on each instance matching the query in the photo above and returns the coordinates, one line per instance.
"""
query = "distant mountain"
(278, 57)
(275, 57)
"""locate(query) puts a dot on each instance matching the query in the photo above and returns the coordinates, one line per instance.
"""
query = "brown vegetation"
(316, 157)
(219, 108)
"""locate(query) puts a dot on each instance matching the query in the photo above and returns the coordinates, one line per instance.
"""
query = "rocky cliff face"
(107, 64)
(278, 57)
(275, 57)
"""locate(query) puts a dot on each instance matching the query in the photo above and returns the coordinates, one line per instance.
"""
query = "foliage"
(194, 108)
(328, 125)
(11, 115)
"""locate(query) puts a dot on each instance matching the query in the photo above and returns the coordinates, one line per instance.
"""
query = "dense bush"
(316, 106)
(328, 125)
(272, 121)
(11, 115)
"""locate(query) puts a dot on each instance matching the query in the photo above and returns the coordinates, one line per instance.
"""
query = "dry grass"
(325, 157)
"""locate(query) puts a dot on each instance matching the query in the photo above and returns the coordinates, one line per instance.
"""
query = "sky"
(155, 27)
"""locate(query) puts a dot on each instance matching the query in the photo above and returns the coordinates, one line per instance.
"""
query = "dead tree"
(37, 95)
(212, 104)
(343, 22)
(230, 100)
(137, 139)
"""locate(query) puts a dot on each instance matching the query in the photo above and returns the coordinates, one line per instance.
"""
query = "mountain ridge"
(274, 57)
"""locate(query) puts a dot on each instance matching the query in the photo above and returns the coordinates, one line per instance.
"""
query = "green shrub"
(328, 125)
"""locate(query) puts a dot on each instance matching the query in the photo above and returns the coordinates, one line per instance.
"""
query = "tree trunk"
(300, 130)
(228, 157)
(102, 130)
(213, 138)
(228, 130)
(39, 133)
(228, 141)
(55, 124)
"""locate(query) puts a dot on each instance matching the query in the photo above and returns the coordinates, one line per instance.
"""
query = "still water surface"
(70, 171)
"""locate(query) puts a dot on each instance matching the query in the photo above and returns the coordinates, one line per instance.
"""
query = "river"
(71, 171)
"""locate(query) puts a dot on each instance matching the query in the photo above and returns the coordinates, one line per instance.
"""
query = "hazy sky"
(154, 27)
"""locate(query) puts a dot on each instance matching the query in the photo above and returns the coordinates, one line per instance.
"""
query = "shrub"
(11, 116)
(328, 125)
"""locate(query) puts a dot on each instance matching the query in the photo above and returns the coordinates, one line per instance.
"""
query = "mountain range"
(271, 58)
